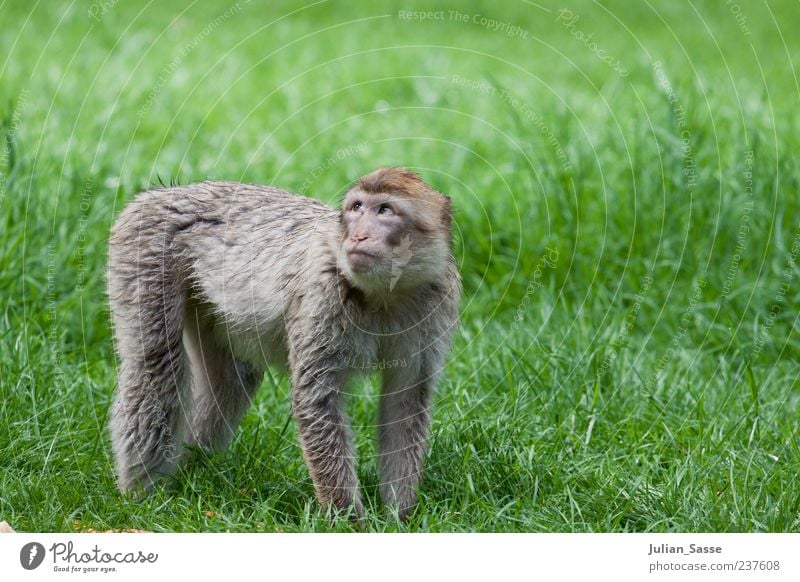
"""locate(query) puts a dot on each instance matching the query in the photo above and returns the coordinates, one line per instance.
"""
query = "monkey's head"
(395, 233)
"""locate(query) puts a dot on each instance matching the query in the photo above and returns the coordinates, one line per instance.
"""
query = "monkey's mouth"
(361, 260)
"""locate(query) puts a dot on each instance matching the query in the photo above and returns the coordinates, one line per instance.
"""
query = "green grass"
(630, 378)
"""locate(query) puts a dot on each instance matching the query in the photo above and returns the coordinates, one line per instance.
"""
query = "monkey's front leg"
(325, 439)
(403, 422)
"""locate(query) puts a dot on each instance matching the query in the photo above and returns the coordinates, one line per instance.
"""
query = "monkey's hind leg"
(148, 414)
(222, 387)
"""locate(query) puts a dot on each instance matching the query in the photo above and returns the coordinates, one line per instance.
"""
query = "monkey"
(212, 282)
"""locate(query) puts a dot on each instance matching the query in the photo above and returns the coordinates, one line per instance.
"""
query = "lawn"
(627, 223)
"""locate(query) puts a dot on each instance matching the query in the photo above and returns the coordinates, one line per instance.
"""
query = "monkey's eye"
(384, 209)
(356, 205)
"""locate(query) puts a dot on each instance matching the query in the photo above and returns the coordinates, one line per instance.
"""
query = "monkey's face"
(374, 226)
(384, 245)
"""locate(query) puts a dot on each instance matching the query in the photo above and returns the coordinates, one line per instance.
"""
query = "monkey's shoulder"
(242, 191)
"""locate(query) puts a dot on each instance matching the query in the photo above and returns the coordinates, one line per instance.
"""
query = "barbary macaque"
(210, 283)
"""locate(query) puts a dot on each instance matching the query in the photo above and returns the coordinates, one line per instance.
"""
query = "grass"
(628, 357)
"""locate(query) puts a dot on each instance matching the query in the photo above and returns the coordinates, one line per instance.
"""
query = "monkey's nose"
(357, 238)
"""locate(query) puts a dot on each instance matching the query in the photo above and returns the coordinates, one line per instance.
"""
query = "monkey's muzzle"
(361, 260)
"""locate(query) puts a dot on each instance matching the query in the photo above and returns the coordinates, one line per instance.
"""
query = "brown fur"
(411, 185)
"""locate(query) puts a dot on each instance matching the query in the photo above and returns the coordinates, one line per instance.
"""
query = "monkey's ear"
(447, 212)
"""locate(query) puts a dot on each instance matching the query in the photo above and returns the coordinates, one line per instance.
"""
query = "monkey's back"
(225, 245)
